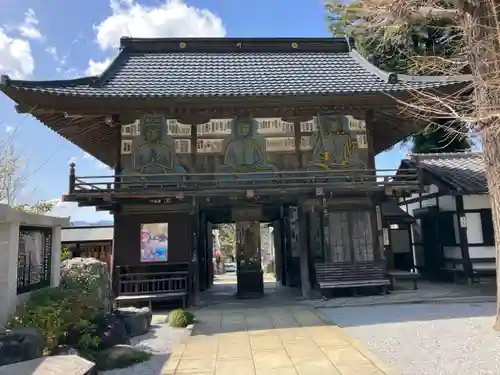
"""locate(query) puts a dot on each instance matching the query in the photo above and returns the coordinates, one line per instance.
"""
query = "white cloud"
(101, 165)
(97, 67)
(52, 51)
(171, 18)
(98, 163)
(29, 27)
(9, 129)
(16, 59)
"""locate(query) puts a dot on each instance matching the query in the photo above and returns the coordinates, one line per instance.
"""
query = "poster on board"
(154, 242)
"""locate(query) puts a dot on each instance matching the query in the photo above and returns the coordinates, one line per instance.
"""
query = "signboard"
(247, 213)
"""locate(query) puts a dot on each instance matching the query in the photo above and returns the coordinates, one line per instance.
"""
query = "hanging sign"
(463, 222)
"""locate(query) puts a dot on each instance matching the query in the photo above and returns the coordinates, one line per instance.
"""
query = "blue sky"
(56, 39)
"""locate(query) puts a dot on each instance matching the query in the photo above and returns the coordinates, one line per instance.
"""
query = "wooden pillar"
(202, 251)
(72, 178)
(284, 246)
(194, 145)
(277, 250)
(298, 137)
(370, 124)
(376, 217)
(116, 124)
(462, 235)
(325, 238)
(194, 256)
(305, 280)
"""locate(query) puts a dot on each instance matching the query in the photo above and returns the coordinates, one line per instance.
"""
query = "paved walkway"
(262, 337)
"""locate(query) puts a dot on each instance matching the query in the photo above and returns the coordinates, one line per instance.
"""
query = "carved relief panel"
(338, 142)
(327, 141)
(150, 150)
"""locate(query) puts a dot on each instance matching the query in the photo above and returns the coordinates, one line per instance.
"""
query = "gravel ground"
(160, 341)
(446, 339)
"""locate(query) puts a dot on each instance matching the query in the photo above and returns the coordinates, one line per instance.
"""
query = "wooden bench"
(152, 286)
(455, 267)
(394, 275)
(350, 275)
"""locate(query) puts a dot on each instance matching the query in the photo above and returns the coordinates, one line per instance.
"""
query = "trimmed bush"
(180, 318)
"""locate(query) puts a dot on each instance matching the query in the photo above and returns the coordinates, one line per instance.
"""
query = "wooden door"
(350, 237)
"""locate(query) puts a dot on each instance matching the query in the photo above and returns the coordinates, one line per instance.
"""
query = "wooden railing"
(152, 281)
(216, 184)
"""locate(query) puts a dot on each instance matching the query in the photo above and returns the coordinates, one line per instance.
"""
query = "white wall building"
(453, 228)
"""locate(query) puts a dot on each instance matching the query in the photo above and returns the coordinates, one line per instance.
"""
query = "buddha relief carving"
(153, 152)
(245, 149)
(333, 144)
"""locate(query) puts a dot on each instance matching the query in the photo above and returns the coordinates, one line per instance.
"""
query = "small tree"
(227, 239)
(12, 178)
(401, 53)
(40, 207)
(477, 106)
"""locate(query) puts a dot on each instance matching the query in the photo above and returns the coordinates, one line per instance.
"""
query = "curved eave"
(92, 134)
(13, 90)
(28, 99)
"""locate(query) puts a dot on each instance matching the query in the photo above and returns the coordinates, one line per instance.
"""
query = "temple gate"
(197, 136)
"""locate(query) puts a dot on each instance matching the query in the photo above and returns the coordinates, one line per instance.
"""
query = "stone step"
(55, 365)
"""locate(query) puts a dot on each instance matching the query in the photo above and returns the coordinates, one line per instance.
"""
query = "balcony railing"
(218, 184)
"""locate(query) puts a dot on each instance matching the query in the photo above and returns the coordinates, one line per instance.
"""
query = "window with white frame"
(474, 228)
(183, 146)
(362, 140)
(126, 146)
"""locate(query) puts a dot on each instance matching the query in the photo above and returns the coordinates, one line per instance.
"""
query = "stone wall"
(10, 222)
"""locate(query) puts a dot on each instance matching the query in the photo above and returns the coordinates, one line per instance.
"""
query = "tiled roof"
(393, 213)
(82, 234)
(215, 67)
(463, 172)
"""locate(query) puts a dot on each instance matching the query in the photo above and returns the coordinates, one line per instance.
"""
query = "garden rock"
(120, 351)
(121, 354)
(108, 328)
(19, 345)
(53, 365)
(111, 331)
(81, 269)
(137, 321)
(65, 350)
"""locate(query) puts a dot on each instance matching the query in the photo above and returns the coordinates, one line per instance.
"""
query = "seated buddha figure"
(154, 154)
(244, 150)
(333, 146)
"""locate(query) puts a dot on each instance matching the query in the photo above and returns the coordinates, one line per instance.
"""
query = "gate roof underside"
(220, 77)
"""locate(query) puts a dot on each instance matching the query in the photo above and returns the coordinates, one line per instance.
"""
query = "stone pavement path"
(265, 341)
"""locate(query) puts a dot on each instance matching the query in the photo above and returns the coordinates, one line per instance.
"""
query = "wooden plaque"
(247, 213)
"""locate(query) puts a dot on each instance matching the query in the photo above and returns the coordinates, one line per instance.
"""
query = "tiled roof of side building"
(227, 67)
(463, 172)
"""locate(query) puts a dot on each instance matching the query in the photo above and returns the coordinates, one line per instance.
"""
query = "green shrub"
(180, 318)
(56, 310)
(65, 254)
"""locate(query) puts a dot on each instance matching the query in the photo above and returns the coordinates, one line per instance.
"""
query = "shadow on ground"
(371, 315)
